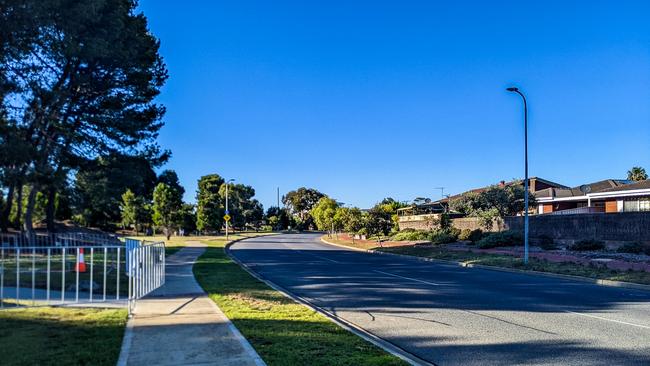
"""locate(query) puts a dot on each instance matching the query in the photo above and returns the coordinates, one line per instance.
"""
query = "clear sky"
(364, 100)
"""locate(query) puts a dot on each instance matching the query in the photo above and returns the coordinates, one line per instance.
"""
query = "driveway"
(450, 315)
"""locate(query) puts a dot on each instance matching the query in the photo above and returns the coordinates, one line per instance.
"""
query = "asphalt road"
(451, 315)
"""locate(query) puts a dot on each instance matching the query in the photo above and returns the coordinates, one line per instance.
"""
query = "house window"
(630, 206)
(644, 205)
(636, 205)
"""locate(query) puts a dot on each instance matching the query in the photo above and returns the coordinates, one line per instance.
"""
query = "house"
(421, 216)
(608, 196)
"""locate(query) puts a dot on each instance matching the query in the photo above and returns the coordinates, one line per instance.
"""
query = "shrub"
(587, 244)
(443, 237)
(464, 234)
(476, 235)
(471, 235)
(411, 235)
(502, 239)
(634, 248)
(546, 243)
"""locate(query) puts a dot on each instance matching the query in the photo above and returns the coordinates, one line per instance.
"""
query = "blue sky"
(364, 100)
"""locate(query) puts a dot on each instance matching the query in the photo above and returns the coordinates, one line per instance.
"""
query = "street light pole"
(516, 90)
(227, 212)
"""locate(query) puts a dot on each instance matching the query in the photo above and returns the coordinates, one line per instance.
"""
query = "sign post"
(226, 218)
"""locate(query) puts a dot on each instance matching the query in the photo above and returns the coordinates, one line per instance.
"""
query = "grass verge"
(282, 331)
(506, 261)
(61, 336)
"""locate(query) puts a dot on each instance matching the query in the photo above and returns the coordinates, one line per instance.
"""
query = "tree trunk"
(29, 211)
(6, 211)
(50, 209)
(18, 223)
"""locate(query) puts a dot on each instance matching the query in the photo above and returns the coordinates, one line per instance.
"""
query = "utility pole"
(516, 90)
(227, 211)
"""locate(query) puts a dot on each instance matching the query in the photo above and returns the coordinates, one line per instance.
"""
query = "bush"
(587, 244)
(443, 237)
(546, 243)
(502, 239)
(411, 235)
(464, 234)
(471, 235)
(476, 235)
(634, 248)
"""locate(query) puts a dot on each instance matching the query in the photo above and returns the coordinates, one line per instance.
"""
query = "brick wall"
(610, 227)
(424, 222)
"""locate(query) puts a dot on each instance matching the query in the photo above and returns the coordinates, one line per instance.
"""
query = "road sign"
(227, 212)
(226, 217)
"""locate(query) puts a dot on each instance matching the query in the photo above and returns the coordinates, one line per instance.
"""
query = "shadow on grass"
(282, 331)
(61, 336)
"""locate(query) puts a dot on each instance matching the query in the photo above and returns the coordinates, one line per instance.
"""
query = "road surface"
(450, 315)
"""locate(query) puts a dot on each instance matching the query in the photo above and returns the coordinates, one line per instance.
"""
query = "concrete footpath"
(178, 324)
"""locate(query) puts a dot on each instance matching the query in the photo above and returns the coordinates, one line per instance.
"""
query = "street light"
(227, 212)
(516, 90)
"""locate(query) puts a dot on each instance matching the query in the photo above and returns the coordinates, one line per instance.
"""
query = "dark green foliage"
(78, 79)
(209, 205)
(411, 235)
(501, 239)
(546, 242)
(301, 201)
(471, 235)
(279, 218)
(444, 236)
(170, 178)
(496, 201)
(587, 244)
(244, 209)
(100, 184)
(634, 248)
(440, 236)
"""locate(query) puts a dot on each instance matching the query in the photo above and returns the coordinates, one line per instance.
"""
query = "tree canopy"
(637, 173)
(209, 205)
(78, 80)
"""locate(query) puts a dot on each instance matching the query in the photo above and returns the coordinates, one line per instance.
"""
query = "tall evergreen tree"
(209, 204)
(78, 81)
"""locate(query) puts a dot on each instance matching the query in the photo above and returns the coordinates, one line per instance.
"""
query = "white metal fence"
(146, 268)
(61, 275)
(14, 240)
(55, 275)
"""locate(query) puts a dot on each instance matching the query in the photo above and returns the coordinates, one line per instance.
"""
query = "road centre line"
(609, 320)
(407, 278)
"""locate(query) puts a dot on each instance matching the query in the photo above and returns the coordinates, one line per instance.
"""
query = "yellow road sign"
(226, 217)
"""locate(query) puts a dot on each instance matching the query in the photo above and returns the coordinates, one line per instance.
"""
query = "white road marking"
(407, 278)
(318, 256)
(609, 320)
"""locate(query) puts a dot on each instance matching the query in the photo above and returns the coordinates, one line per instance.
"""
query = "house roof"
(644, 184)
(607, 185)
(502, 183)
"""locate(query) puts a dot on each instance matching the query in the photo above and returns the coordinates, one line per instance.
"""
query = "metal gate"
(146, 270)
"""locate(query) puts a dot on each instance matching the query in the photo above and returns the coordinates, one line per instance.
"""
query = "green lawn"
(507, 261)
(61, 336)
(282, 331)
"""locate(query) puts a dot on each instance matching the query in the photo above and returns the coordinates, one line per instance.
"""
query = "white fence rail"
(74, 239)
(54, 275)
(146, 268)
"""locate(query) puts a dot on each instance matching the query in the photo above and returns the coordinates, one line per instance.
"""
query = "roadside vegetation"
(282, 331)
(504, 261)
(61, 336)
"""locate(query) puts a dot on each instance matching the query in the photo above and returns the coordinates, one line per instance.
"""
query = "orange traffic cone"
(81, 263)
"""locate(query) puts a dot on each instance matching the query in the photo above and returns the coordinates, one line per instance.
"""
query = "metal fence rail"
(52, 275)
(14, 240)
(146, 268)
